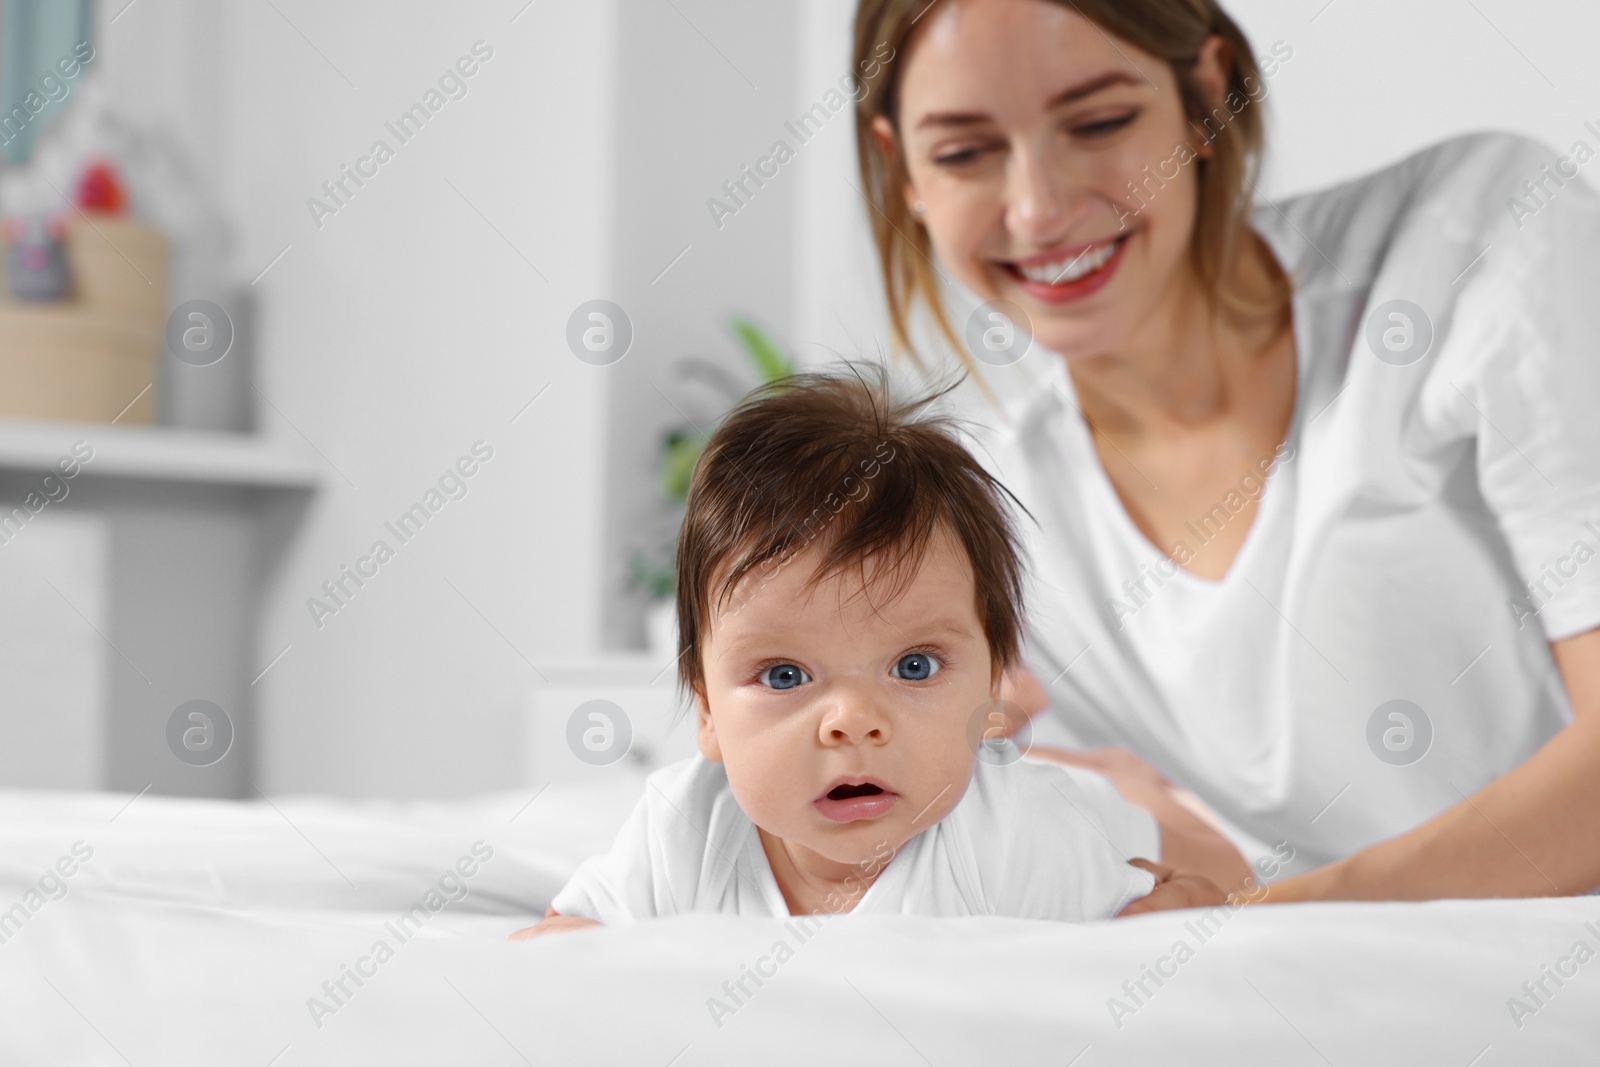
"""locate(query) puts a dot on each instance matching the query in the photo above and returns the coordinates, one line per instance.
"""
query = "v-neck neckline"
(774, 892)
(1266, 506)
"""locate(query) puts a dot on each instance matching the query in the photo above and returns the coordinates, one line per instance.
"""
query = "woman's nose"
(1036, 206)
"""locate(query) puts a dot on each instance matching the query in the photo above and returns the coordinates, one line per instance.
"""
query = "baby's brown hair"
(834, 454)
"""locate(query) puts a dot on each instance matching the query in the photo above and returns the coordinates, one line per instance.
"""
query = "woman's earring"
(919, 207)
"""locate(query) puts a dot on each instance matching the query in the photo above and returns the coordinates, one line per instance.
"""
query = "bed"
(248, 933)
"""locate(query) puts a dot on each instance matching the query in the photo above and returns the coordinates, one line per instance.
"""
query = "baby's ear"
(708, 729)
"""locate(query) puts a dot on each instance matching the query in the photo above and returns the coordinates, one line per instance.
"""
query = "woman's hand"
(1188, 840)
(553, 923)
(1020, 687)
(1118, 764)
(1174, 890)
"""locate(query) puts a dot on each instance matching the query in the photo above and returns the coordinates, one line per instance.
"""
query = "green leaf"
(678, 456)
(769, 360)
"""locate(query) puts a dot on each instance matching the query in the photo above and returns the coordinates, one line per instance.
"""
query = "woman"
(1317, 486)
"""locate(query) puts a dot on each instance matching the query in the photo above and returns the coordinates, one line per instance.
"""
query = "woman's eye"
(957, 158)
(783, 676)
(916, 667)
(1104, 126)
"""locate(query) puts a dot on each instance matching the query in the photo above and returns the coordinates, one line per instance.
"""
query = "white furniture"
(191, 524)
(642, 686)
(52, 657)
(157, 454)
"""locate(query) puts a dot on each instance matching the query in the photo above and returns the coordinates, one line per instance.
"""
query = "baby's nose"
(855, 721)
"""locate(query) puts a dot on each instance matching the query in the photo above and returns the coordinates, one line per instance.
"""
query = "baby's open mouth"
(862, 799)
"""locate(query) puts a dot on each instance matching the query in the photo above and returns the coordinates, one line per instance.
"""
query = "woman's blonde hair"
(1171, 30)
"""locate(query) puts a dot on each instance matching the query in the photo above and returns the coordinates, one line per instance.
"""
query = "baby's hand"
(1174, 890)
(553, 923)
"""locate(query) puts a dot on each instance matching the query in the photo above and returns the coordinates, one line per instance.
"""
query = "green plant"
(681, 446)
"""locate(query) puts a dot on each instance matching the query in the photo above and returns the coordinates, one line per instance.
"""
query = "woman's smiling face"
(811, 688)
(1022, 125)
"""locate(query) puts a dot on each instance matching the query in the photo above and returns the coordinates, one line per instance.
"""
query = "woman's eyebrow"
(1066, 96)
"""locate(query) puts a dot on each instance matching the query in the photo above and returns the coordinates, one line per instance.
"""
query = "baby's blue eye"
(783, 676)
(916, 667)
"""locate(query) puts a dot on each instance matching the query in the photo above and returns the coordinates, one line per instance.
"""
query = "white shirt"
(1028, 840)
(1392, 550)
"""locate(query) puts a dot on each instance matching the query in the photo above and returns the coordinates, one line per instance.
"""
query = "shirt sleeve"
(1519, 374)
(1059, 843)
(617, 887)
(675, 852)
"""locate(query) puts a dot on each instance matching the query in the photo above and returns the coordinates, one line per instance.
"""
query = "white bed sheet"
(315, 852)
(200, 932)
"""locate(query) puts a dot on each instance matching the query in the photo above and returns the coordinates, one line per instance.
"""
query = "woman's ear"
(707, 729)
(883, 134)
(1212, 68)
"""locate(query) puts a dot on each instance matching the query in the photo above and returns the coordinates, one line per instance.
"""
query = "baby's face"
(811, 689)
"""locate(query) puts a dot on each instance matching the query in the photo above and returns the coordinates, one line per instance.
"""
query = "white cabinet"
(591, 716)
(136, 583)
(53, 659)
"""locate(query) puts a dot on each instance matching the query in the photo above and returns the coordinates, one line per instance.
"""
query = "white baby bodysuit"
(1028, 840)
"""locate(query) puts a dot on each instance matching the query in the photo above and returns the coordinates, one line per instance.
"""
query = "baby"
(849, 597)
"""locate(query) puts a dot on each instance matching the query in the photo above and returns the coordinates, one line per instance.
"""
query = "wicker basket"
(91, 357)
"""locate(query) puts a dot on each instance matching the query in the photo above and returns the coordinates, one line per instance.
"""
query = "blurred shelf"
(156, 453)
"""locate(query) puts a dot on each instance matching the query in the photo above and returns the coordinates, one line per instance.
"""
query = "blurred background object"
(79, 336)
(42, 43)
(37, 259)
(82, 336)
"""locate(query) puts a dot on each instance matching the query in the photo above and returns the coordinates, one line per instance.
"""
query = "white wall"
(838, 302)
(704, 88)
(412, 324)
(1371, 82)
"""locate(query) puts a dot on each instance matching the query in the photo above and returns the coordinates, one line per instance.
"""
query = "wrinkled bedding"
(205, 932)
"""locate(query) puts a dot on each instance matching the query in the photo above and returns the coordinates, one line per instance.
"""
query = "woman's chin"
(1066, 331)
(1078, 340)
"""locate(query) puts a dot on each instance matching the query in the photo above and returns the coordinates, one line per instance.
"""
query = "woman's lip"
(1077, 289)
(851, 809)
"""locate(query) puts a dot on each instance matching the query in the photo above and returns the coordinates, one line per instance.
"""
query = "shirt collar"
(1035, 384)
